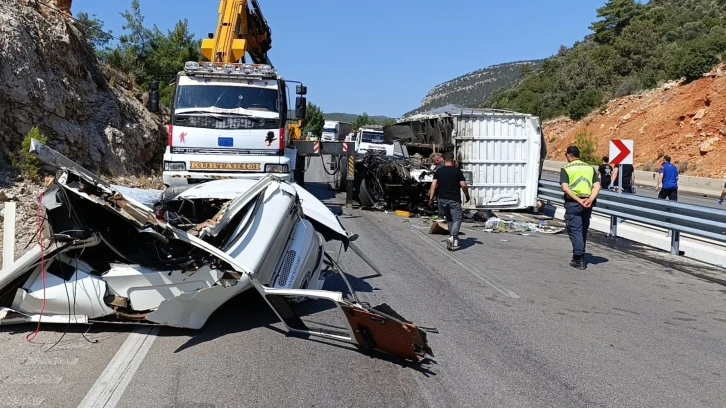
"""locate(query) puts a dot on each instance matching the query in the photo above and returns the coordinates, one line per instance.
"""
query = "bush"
(584, 141)
(693, 67)
(28, 164)
(584, 103)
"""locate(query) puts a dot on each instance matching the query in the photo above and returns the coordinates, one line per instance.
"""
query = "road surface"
(650, 192)
(517, 327)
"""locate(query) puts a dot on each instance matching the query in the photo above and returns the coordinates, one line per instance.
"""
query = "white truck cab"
(335, 131)
(228, 121)
(371, 138)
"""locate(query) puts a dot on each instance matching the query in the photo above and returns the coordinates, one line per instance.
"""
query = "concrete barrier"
(693, 185)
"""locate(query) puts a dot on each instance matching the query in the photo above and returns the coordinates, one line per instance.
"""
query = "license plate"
(225, 142)
(224, 166)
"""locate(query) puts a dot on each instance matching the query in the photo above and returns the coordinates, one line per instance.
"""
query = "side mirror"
(301, 90)
(154, 97)
(300, 107)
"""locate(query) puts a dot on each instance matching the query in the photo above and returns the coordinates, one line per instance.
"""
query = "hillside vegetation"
(473, 88)
(351, 117)
(632, 47)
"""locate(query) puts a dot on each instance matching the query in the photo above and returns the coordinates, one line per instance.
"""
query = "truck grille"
(228, 123)
(286, 267)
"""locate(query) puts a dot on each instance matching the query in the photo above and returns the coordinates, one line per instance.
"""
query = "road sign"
(621, 152)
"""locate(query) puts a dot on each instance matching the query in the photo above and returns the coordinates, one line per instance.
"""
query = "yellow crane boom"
(241, 30)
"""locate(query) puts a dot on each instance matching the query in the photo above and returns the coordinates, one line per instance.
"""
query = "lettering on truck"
(225, 166)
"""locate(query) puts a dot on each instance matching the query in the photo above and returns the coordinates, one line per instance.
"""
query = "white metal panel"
(502, 151)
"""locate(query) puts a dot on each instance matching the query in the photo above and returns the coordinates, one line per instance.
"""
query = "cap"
(573, 150)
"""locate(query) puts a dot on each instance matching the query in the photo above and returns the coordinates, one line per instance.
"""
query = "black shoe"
(578, 264)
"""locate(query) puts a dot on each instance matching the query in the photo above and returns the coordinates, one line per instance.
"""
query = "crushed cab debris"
(174, 257)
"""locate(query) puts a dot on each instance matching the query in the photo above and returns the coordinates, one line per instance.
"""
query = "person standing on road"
(581, 186)
(605, 172)
(723, 195)
(668, 180)
(449, 181)
(628, 178)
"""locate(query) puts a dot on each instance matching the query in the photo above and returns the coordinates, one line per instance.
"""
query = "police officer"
(581, 186)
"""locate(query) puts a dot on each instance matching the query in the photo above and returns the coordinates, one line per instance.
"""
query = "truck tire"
(364, 196)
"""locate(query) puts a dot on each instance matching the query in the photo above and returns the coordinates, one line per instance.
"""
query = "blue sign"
(225, 142)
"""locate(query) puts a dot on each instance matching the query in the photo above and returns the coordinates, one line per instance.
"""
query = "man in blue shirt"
(668, 180)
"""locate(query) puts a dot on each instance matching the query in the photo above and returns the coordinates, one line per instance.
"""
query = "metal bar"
(351, 178)
(613, 226)
(675, 242)
(9, 234)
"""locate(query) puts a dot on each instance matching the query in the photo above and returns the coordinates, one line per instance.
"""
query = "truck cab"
(371, 138)
(335, 131)
(228, 121)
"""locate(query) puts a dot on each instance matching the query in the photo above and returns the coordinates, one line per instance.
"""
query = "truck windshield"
(226, 97)
(329, 130)
(373, 138)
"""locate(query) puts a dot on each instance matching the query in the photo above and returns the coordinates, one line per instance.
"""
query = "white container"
(502, 154)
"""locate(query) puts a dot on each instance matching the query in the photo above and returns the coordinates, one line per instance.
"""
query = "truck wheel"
(365, 197)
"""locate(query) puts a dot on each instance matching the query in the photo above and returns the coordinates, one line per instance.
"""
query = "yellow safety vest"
(580, 177)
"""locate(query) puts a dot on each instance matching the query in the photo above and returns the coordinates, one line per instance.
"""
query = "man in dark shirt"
(450, 181)
(628, 179)
(605, 172)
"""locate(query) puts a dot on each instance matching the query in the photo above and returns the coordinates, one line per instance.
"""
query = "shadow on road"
(469, 242)
(596, 260)
(323, 191)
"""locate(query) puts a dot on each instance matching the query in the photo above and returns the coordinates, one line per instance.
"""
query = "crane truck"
(229, 116)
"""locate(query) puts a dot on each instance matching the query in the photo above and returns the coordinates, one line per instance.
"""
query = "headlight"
(175, 166)
(277, 168)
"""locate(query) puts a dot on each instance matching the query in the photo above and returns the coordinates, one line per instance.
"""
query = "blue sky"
(382, 57)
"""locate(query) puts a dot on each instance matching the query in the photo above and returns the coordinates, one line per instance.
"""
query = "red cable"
(42, 268)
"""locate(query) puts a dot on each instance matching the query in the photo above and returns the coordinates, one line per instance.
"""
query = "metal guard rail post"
(675, 217)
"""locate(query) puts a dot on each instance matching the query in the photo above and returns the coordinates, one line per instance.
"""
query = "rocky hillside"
(51, 78)
(687, 122)
(474, 88)
(351, 117)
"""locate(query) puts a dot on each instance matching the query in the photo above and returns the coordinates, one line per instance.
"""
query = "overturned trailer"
(500, 152)
(119, 255)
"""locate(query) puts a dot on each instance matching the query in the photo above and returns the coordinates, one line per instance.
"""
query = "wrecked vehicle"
(382, 180)
(119, 255)
(394, 182)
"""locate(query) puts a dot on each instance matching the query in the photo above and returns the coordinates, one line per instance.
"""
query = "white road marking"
(110, 386)
(504, 291)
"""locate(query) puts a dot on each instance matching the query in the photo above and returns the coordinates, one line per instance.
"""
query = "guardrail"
(675, 217)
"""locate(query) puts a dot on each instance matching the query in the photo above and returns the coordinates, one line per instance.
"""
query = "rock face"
(51, 78)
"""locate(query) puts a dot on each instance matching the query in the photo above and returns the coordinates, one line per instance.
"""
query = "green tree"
(363, 120)
(614, 16)
(149, 54)
(388, 122)
(92, 28)
(314, 120)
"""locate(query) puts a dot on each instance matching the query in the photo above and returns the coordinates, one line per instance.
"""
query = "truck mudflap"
(377, 328)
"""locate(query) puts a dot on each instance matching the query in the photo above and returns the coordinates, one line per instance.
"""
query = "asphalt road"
(517, 328)
(650, 192)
